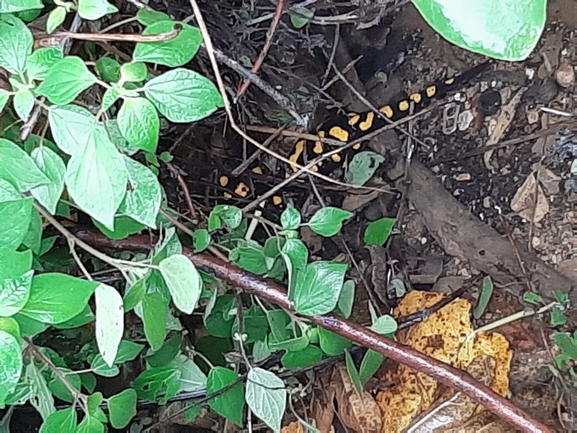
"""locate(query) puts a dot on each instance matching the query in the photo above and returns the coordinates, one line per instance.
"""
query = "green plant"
(92, 165)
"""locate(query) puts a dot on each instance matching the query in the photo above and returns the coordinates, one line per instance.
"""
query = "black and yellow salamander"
(344, 128)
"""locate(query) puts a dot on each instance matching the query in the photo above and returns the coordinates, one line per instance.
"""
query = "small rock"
(565, 75)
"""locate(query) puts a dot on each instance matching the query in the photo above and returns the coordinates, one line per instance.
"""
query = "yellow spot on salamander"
(353, 119)
(227, 195)
(336, 157)
(242, 190)
(416, 98)
(339, 133)
(387, 111)
(277, 200)
(315, 169)
(299, 148)
(449, 81)
(431, 90)
(368, 122)
(257, 170)
(357, 146)
(223, 181)
(319, 148)
(322, 134)
(404, 105)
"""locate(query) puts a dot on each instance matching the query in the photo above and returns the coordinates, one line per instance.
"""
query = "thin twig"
(269, 35)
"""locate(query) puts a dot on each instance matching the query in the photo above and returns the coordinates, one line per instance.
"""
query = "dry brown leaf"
(293, 427)
(523, 203)
(442, 336)
(360, 413)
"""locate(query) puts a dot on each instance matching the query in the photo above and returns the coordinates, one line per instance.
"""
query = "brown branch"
(272, 292)
(269, 34)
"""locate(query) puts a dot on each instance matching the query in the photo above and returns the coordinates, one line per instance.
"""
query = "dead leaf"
(523, 203)
(442, 336)
(360, 413)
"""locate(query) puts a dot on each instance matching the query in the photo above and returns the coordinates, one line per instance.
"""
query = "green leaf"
(128, 351)
(41, 61)
(139, 123)
(300, 16)
(266, 396)
(16, 42)
(90, 425)
(109, 321)
(96, 179)
(84, 318)
(557, 317)
(346, 299)
(71, 127)
(65, 80)
(146, 16)
(133, 72)
(191, 376)
(108, 69)
(353, 373)
(14, 263)
(142, 200)
(15, 217)
(317, 288)
(297, 252)
(94, 9)
(170, 246)
(183, 281)
(4, 96)
(23, 103)
(384, 325)
(93, 402)
(362, 167)
(158, 384)
(11, 326)
(230, 404)
(52, 166)
(251, 258)
(55, 18)
(122, 408)
(255, 325)
(11, 6)
(10, 364)
(183, 96)
(201, 240)
(134, 294)
(55, 298)
(166, 353)
(484, 298)
(567, 344)
(290, 218)
(175, 52)
(333, 344)
(60, 390)
(370, 364)
(328, 221)
(154, 310)
(14, 293)
(18, 168)
(111, 95)
(229, 215)
(503, 29)
(532, 298)
(123, 227)
(29, 327)
(61, 421)
(310, 355)
(378, 232)
(41, 399)
(101, 368)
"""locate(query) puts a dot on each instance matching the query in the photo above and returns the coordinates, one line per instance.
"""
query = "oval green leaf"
(328, 221)
(503, 29)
